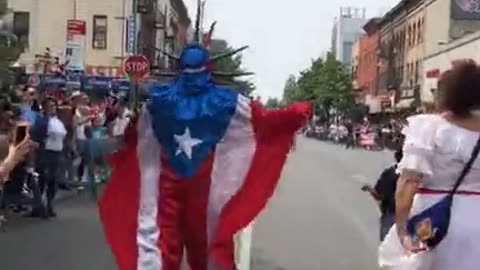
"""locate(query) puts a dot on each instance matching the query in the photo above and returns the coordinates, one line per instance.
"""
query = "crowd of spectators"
(51, 140)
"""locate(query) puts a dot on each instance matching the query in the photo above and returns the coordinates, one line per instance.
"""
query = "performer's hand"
(366, 187)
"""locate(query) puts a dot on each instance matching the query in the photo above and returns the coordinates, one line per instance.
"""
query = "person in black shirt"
(384, 193)
(350, 136)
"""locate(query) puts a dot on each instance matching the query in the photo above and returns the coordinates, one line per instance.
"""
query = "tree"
(273, 103)
(290, 90)
(327, 83)
(10, 50)
(231, 64)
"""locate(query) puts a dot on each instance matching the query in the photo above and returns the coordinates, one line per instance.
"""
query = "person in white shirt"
(122, 120)
(82, 122)
(50, 133)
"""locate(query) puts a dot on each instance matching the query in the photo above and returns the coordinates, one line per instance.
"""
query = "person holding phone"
(10, 154)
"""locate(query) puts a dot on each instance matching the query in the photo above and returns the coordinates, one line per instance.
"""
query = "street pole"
(134, 93)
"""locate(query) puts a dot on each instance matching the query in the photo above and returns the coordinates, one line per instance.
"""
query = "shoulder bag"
(431, 225)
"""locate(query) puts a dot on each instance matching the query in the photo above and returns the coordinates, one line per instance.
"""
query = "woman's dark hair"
(459, 88)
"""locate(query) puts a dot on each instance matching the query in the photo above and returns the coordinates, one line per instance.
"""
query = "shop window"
(99, 32)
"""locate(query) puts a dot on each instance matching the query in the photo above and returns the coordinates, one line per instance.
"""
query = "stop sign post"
(137, 67)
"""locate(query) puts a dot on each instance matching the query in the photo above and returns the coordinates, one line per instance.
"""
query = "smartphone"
(21, 132)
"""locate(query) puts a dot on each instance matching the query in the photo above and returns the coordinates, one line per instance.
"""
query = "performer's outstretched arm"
(289, 119)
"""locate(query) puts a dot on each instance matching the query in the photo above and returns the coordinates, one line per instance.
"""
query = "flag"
(194, 171)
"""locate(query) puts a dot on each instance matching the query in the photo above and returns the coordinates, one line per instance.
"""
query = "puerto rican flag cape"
(195, 169)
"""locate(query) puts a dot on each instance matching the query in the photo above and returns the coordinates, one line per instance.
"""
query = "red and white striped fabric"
(150, 214)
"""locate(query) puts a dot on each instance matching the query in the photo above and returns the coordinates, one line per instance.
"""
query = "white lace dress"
(439, 150)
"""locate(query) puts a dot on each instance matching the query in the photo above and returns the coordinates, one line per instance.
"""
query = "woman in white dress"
(436, 149)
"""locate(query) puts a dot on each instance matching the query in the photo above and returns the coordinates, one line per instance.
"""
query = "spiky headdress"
(195, 56)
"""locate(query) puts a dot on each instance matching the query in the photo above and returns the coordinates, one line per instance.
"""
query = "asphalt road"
(317, 220)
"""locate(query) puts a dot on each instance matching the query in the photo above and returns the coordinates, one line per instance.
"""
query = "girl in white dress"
(436, 149)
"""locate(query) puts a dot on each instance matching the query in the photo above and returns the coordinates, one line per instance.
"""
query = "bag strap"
(467, 168)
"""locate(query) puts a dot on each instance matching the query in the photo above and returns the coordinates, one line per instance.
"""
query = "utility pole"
(135, 23)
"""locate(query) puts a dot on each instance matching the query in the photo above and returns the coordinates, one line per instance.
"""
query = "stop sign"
(137, 67)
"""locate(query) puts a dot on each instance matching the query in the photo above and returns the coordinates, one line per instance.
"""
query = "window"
(21, 27)
(420, 31)
(99, 32)
(347, 55)
(69, 52)
(409, 36)
(414, 35)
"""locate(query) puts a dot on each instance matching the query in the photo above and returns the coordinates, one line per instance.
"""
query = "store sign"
(96, 83)
(53, 82)
(75, 51)
(131, 34)
(104, 71)
(120, 85)
(433, 74)
(465, 9)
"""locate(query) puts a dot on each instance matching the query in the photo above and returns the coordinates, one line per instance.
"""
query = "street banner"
(75, 51)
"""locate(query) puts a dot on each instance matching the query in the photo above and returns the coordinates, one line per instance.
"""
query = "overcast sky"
(283, 35)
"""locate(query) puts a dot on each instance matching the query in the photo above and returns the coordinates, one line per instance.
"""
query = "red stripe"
(120, 203)
(183, 216)
(274, 133)
(433, 191)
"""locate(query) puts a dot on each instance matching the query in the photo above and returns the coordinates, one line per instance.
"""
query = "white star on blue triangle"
(186, 143)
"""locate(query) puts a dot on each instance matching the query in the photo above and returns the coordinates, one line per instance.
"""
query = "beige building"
(105, 36)
(435, 64)
(450, 34)
(414, 53)
(445, 22)
(108, 31)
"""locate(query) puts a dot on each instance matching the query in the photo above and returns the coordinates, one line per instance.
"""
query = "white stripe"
(194, 70)
(233, 156)
(148, 231)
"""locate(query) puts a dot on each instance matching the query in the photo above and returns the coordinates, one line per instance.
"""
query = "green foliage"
(327, 83)
(10, 50)
(231, 64)
(273, 103)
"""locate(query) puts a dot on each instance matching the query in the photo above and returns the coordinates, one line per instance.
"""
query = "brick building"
(368, 62)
